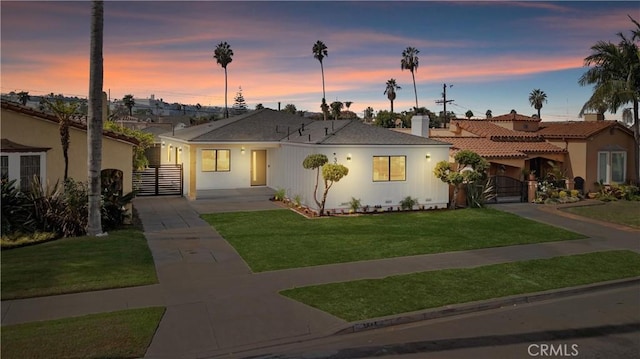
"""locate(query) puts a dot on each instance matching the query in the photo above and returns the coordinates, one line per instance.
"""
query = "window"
(29, 167)
(389, 168)
(216, 160)
(4, 167)
(612, 167)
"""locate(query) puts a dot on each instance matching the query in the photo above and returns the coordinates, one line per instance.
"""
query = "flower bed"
(549, 192)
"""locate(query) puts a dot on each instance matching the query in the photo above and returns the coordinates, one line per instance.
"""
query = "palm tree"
(336, 108)
(615, 73)
(64, 111)
(390, 91)
(410, 62)
(319, 52)
(348, 104)
(23, 97)
(536, 98)
(224, 55)
(489, 114)
(129, 102)
(94, 121)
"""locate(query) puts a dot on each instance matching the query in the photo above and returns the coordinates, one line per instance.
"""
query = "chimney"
(278, 105)
(594, 117)
(420, 126)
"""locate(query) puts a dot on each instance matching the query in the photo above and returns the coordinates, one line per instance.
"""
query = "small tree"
(129, 102)
(469, 114)
(469, 168)
(315, 162)
(64, 111)
(290, 108)
(332, 173)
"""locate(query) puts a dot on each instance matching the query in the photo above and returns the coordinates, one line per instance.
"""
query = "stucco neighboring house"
(592, 149)
(31, 146)
(267, 148)
(598, 150)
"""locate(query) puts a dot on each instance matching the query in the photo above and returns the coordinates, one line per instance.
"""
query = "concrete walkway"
(217, 307)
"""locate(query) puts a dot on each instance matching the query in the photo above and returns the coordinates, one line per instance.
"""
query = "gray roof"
(268, 125)
(354, 132)
(264, 125)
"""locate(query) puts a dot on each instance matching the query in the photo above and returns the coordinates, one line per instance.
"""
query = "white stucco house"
(267, 148)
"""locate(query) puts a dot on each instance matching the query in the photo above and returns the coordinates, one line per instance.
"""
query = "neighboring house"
(31, 146)
(598, 150)
(593, 149)
(267, 148)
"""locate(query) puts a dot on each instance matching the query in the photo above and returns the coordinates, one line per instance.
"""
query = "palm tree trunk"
(538, 113)
(226, 109)
(414, 88)
(324, 95)
(391, 105)
(94, 120)
(636, 135)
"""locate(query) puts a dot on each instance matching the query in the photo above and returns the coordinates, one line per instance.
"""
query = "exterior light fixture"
(428, 157)
(163, 144)
(242, 150)
(348, 157)
(170, 146)
(179, 149)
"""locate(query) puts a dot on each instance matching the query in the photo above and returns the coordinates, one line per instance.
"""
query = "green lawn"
(123, 334)
(364, 299)
(77, 264)
(271, 240)
(621, 212)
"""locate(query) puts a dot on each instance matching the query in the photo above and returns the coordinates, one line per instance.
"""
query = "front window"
(216, 160)
(612, 167)
(29, 167)
(389, 168)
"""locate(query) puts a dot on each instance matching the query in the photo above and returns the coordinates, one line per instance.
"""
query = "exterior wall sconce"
(242, 150)
(349, 157)
(163, 144)
(179, 149)
(428, 157)
(170, 146)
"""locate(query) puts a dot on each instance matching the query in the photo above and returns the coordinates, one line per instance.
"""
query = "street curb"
(459, 309)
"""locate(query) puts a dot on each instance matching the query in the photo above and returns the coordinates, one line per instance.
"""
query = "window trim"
(607, 176)
(215, 159)
(389, 157)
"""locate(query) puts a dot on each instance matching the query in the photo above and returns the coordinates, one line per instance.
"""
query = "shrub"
(61, 209)
(114, 209)
(407, 203)
(355, 204)
(297, 200)
(17, 210)
(280, 193)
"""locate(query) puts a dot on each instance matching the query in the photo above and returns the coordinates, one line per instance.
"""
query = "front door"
(259, 167)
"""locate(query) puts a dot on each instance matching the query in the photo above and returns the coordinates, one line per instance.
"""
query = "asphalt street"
(602, 324)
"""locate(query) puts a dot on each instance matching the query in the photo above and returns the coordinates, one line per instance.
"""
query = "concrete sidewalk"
(217, 307)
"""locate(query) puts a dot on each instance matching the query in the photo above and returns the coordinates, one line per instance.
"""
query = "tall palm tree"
(409, 62)
(129, 102)
(319, 52)
(536, 98)
(390, 91)
(615, 73)
(64, 111)
(94, 121)
(224, 55)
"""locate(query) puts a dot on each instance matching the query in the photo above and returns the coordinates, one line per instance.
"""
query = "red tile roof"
(49, 117)
(513, 117)
(491, 130)
(576, 129)
(487, 148)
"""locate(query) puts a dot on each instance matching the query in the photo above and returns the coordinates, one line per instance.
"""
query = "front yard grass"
(621, 212)
(365, 299)
(123, 334)
(280, 239)
(122, 259)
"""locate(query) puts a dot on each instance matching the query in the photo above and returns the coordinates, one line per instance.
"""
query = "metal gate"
(162, 180)
(508, 189)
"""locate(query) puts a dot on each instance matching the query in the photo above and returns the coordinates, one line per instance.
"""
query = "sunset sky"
(493, 53)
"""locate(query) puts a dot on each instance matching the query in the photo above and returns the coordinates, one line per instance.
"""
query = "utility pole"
(444, 101)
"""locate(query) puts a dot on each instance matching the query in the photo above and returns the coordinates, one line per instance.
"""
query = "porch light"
(428, 157)
(170, 147)
(179, 149)
(348, 157)
(242, 150)
(163, 144)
